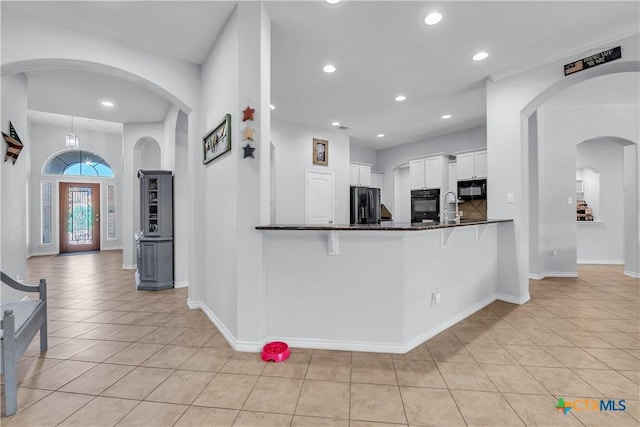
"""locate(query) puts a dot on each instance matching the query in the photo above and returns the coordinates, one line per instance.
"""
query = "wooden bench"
(20, 323)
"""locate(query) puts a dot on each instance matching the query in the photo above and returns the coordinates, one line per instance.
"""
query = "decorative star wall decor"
(248, 114)
(248, 151)
(248, 133)
(14, 145)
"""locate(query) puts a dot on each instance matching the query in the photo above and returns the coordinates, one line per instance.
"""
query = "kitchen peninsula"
(382, 287)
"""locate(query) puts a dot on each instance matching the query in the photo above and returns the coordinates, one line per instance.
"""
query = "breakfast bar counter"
(382, 287)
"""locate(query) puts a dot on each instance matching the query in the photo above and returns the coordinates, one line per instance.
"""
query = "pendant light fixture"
(72, 140)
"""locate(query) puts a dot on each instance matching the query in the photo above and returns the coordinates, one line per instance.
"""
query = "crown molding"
(577, 51)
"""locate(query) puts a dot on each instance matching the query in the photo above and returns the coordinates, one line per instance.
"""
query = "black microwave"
(473, 189)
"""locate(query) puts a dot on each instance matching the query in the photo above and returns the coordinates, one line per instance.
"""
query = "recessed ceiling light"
(329, 68)
(107, 103)
(272, 107)
(446, 116)
(380, 135)
(400, 98)
(335, 123)
(480, 56)
(433, 18)
(333, 1)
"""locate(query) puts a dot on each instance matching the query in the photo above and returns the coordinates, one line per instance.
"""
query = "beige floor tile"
(324, 399)
(97, 379)
(26, 397)
(562, 381)
(48, 411)
(244, 363)
(539, 411)
(261, 419)
(379, 403)
(101, 331)
(574, 357)
(615, 358)
(151, 414)
(218, 341)
(181, 387)
(197, 416)
(329, 368)
(30, 366)
(481, 408)
(226, 391)
(163, 335)
(138, 383)
(132, 333)
(372, 370)
(532, 356)
(69, 348)
(74, 330)
(449, 351)
(418, 373)
(358, 423)
(294, 367)
(610, 383)
(490, 354)
(194, 337)
(58, 375)
(465, 376)
(207, 359)
(429, 407)
(275, 395)
(34, 347)
(134, 354)
(632, 375)
(100, 351)
(513, 379)
(170, 357)
(584, 339)
(546, 338)
(619, 339)
(304, 421)
(101, 411)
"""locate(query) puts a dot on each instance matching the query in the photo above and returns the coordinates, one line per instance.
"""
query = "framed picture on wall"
(320, 152)
(217, 141)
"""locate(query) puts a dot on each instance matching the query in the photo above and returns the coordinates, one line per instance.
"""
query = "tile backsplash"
(474, 209)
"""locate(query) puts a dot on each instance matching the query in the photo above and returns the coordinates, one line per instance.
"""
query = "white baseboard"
(129, 266)
(513, 300)
(632, 274)
(602, 261)
(535, 276)
(184, 284)
(546, 274)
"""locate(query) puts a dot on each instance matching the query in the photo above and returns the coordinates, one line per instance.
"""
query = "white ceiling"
(381, 49)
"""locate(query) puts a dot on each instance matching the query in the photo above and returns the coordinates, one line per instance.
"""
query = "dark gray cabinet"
(154, 244)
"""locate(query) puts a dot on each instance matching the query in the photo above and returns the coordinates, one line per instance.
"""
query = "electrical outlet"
(554, 254)
(569, 200)
(461, 213)
(435, 297)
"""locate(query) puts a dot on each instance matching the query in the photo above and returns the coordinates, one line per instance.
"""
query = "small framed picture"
(320, 152)
(217, 141)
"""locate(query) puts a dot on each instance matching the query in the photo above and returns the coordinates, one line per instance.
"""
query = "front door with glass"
(79, 217)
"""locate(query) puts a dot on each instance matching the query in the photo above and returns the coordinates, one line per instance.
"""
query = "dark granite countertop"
(383, 226)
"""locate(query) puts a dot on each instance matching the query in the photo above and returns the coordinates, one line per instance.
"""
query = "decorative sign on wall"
(247, 133)
(593, 60)
(14, 145)
(217, 141)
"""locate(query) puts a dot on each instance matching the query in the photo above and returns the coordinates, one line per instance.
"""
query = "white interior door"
(320, 198)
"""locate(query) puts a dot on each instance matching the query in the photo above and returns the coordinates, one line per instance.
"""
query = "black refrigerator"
(365, 205)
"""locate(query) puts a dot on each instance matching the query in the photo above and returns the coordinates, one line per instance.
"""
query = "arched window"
(78, 163)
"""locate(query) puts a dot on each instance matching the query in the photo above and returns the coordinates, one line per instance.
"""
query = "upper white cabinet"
(472, 165)
(360, 175)
(428, 173)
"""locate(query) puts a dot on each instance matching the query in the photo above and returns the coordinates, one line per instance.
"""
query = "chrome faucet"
(455, 219)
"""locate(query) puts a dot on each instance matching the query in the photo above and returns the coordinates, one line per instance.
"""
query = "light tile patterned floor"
(122, 357)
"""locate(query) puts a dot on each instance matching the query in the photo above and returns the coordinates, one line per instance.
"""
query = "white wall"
(293, 151)
(48, 141)
(602, 241)
(389, 159)
(361, 154)
(561, 129)
(14, 184)
(511, 99)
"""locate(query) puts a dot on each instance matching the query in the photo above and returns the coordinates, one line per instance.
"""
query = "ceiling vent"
(343, 127)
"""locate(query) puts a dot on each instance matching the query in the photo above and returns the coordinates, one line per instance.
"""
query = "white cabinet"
(428, 173)
(360, 175)
(472, 165)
